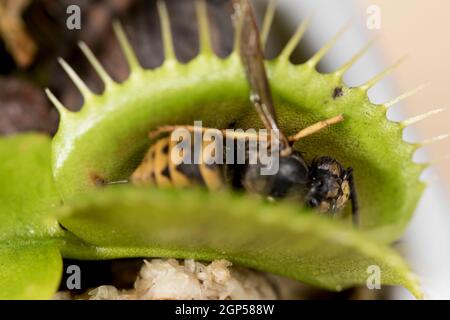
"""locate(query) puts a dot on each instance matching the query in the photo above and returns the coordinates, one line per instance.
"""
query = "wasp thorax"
(290, 180)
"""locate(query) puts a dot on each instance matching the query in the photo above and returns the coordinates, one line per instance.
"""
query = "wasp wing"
(253, 61)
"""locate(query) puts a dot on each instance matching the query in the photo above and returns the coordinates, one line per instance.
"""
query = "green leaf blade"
(30, 262)
(29, 272)
(126, 222)
(27, 190)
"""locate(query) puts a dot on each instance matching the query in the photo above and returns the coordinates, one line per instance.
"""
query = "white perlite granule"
(172, 279)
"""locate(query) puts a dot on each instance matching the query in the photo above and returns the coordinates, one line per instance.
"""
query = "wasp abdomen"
(160, 169)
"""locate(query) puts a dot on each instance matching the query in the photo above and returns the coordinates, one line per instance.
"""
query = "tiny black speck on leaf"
(337, 92)
(96, 179)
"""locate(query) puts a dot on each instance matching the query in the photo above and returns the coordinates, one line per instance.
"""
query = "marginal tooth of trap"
(169, 52)
(63, 111)
(421, 117)
(405, 95)
(432, 140)
(203, 27)
(85, 91)
(96, 64)
(130, 56)
(314, 60)
(295, 40)
(344, 68)
(267, 22)
(369, 84)
(429, 176)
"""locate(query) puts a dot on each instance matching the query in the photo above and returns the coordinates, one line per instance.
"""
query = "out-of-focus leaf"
(30, 262)
(29, 272)
(281, 238)
(27, 191)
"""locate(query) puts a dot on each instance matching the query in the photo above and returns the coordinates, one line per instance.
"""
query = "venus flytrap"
(105, 141)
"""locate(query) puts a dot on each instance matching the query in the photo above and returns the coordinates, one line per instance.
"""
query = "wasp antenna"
(267, 22)
(166, 32)
(421, 117)
(369, 84)
(96, 64)
(85, 91)
(203, 27)
(405, 95)
(62, 110)
(295, 39)
(355, 58)
(314, 60)
(433, 140)
(130, 56)
(238, 20)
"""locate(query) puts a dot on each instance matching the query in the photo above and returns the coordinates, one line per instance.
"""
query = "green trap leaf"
(106, 140)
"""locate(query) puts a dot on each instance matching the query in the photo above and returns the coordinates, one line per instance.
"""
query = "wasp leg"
(243, 135)
(167, 129)
(285, 150)
(353, 197)
(315, 128)
(227, 133)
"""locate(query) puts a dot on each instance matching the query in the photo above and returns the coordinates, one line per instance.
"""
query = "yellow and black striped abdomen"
(158, 169)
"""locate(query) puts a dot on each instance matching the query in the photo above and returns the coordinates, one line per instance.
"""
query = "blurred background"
(419, 29)
(34, 33)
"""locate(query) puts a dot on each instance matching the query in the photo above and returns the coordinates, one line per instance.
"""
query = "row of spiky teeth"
(206, 50)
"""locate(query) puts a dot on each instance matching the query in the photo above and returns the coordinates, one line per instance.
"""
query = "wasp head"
(328, 188)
